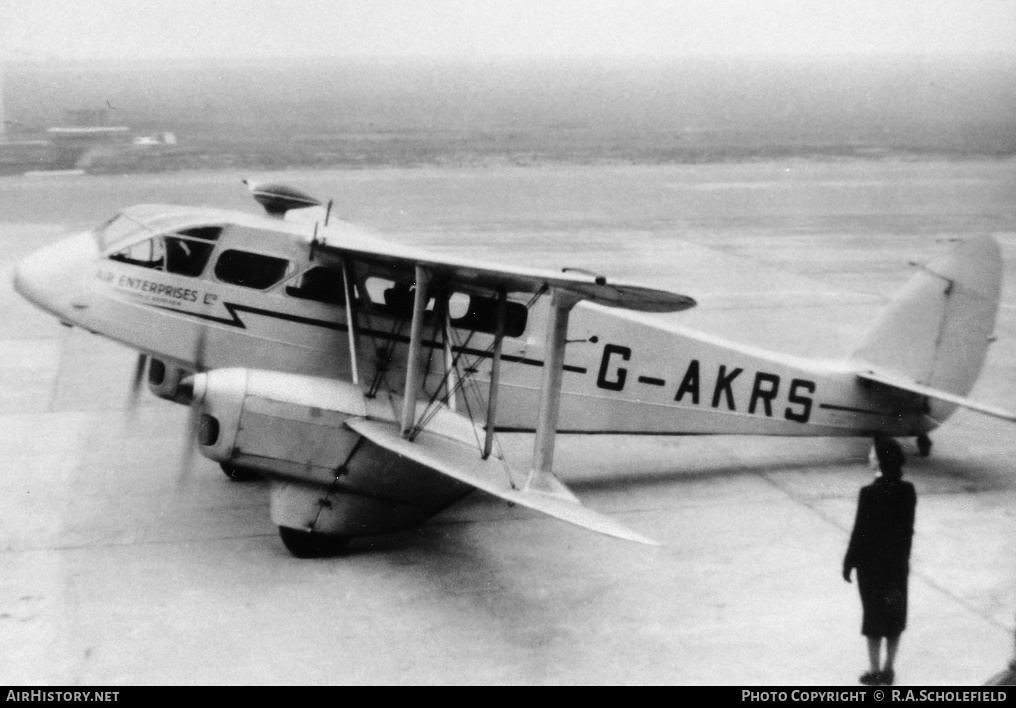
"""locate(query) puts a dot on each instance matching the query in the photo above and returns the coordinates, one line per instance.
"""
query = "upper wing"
(362, 247)
(543, 491)
(922, 390)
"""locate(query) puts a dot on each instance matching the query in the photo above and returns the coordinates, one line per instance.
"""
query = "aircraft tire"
(306, 544)
(238, 474)
(923, 445)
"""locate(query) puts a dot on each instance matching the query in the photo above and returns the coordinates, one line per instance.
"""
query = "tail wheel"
(307, 544)
(238, 474)
(923, 445)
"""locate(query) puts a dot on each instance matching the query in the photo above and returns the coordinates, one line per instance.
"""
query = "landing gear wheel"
(923, 445)
(238, 474)
(307, 544)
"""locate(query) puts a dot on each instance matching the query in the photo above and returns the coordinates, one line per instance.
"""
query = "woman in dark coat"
(880, 550)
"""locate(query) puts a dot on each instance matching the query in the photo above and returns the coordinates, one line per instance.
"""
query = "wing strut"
(350, 322)
(413, 375)
(451, 375)
(495, 374)
(541, 476)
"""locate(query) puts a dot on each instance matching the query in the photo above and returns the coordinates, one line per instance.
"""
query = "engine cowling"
(324, 476)
(282, 424)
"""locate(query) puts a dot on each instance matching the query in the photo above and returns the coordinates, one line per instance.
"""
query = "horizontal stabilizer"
(914, 387)
(463, 463)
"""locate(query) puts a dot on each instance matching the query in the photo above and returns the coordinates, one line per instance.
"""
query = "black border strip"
(234, 310)
(848, 409)
(500, 429)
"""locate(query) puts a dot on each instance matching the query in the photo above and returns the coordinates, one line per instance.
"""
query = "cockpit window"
(205, 233)
(187, 251)
(251, 270)
(150, 220)
(183, 253)
(149, 253)
(117, 229)
(321, 284)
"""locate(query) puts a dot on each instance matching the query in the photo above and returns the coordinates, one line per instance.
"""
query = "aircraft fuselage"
(244, 299)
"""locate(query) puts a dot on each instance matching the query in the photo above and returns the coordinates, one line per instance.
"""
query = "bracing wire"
(387, 352)
(466, 376)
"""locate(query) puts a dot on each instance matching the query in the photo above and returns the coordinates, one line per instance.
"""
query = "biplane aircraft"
(367, 382)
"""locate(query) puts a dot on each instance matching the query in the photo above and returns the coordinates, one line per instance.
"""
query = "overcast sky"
(151, 29)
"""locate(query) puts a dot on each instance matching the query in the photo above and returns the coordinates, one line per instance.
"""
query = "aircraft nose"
(55, 277)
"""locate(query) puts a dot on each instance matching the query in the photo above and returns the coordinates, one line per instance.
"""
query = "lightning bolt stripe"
(235, 320)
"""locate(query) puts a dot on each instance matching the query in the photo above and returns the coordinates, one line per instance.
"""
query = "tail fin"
(936, 331)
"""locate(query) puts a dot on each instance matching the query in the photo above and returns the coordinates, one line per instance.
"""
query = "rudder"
(936, 331)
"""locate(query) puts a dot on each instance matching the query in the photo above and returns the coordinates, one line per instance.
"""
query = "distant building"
(68, 147)
(86, 117)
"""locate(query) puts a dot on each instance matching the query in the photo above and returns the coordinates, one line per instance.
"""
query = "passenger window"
(481, 316)
(147, 254)
(393, 296)
(471, 312)
(320, 284)
(399, 299)
(458, 305)
(251, 270)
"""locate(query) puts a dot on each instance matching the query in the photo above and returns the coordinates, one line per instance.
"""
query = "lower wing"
(463, 463)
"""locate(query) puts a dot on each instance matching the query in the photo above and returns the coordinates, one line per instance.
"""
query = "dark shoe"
(871, 678)
(887, 677)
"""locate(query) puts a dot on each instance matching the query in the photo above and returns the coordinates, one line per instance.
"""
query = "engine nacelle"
(281, 424)
(164, 381)
(324, 476)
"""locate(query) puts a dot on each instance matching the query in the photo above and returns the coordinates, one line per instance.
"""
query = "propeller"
(139, 377)
(188, 389)
(190, 432)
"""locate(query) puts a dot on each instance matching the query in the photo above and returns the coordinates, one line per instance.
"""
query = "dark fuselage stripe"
(233, 309)
(561, 431)
(237, 322)
(848, 409)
